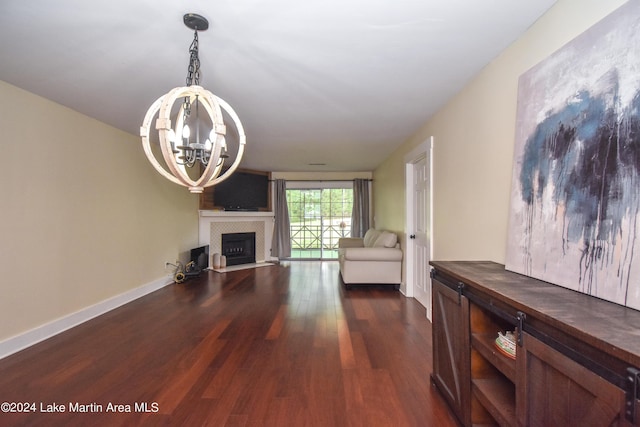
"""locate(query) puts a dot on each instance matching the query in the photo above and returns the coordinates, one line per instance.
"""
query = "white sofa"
(374, 259)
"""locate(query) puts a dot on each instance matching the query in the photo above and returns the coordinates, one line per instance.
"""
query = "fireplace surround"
(213, 224)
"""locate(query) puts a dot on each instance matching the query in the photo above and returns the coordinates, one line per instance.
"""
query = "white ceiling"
(340, 82)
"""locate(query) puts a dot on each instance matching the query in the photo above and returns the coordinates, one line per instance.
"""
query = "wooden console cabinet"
(577, 359)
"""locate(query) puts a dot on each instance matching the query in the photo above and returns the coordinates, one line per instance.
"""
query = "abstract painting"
(575, 198)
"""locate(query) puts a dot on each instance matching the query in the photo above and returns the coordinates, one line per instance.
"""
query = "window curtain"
(281, 242)
(360, 213)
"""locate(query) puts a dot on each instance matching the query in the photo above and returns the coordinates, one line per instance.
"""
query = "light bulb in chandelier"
(186, 151)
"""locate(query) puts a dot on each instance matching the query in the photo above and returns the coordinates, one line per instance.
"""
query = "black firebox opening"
(239, 248)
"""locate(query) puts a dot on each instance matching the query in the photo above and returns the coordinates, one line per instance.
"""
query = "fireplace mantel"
(211, 224)
(234, 214)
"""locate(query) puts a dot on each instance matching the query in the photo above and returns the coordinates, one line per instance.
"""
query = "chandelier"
(181, 116)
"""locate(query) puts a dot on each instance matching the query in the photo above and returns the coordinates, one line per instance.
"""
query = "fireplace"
(239, 248)
(213, 224)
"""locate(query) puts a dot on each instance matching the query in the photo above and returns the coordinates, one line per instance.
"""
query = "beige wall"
(84, 215)
(473, 146)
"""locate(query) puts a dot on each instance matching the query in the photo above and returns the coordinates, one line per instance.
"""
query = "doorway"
(318, 218)
(419, 197)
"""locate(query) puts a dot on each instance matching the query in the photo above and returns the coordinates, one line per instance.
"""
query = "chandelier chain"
(193, 72)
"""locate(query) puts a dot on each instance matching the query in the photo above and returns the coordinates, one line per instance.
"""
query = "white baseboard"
(42, 332)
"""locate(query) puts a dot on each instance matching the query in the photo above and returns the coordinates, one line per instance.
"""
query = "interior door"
(420, 232)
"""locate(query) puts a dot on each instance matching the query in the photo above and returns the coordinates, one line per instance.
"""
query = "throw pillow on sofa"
(386, 240)
(370, 237)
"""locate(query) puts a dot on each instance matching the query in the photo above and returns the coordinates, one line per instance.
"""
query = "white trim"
(48, 330)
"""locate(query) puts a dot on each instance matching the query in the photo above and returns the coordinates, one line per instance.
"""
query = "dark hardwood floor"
(281, 345)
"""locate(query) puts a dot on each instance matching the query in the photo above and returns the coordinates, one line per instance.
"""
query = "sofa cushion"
(386, 240)
(370, 237)
(372, 254)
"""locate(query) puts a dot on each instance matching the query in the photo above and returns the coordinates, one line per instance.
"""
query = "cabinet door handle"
(633, 394)
(521, 318)
(413, 236)
(460, 290)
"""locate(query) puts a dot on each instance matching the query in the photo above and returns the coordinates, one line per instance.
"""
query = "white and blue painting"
(575, 199)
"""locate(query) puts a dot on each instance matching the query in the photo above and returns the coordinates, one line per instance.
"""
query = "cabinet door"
(451, 364)
(554, 390)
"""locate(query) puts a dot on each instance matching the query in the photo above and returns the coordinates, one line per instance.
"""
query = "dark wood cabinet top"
(606, 326)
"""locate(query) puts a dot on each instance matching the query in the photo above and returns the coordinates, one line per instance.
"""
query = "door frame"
(424, 150)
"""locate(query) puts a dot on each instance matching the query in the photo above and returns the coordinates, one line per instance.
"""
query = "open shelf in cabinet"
(493, 374)
(498, 398)
(485, 345)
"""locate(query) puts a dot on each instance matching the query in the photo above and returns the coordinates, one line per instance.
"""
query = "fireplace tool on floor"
(183, 272)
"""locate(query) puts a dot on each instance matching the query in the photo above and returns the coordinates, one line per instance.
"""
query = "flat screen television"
(243, 191)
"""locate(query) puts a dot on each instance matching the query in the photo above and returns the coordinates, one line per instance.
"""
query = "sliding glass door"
(318, 217)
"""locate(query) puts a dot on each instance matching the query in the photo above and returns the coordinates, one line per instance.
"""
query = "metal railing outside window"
(318, 217)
